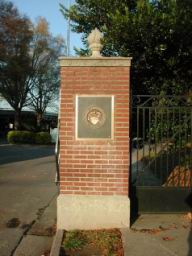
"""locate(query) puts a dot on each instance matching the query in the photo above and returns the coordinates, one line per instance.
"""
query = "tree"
(45, 50)
(15, 66)
(157, 34)
(29, 72)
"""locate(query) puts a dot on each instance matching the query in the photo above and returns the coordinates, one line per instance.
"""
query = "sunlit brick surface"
(94, 167)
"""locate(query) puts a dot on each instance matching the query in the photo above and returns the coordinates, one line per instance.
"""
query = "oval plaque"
(95, 117)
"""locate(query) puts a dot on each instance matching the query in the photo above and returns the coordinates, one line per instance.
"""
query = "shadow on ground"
(16, 153)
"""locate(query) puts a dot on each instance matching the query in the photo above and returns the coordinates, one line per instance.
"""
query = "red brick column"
(94, 169)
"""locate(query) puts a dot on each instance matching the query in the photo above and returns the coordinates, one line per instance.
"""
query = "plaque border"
(77, 96)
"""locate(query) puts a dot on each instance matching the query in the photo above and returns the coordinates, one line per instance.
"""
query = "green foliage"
(42, 138)
(107, 241)
(74, 240)
(157, 34)
(27, 137)
(173, 130)
(170, 120)
(23, 137)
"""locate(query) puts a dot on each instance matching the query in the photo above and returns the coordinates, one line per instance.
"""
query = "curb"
(55, 249)
(123, 239)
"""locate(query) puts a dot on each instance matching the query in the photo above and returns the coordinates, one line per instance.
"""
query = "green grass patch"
(74, 240)
(94, 242)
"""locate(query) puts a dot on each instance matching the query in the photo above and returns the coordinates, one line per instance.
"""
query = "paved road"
(27, 188)
(14, 153)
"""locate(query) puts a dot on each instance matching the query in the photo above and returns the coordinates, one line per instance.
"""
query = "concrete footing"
(92, 212)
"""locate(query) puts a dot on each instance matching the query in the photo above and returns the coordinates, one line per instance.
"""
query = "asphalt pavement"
(17, 153)
(27, 199)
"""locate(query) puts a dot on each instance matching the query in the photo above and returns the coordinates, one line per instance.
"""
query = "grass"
(74, 240)
(102, 242)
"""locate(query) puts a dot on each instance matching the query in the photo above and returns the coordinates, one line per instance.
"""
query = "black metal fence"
(162, 141)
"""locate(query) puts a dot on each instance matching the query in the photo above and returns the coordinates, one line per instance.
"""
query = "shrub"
(13, 137)
(20, 137)
(26, 137)
(42, 138)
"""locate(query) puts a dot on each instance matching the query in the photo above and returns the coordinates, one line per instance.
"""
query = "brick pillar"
(94, 172)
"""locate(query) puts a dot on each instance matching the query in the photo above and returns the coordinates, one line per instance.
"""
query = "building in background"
(28, 118)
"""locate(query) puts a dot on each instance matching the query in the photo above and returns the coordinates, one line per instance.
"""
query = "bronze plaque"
(94, 117)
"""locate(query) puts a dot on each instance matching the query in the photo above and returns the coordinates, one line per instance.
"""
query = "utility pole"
(68, 31)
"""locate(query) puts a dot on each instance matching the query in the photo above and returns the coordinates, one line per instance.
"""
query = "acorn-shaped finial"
(94, 41)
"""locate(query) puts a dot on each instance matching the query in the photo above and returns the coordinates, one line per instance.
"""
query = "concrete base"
(92, 212)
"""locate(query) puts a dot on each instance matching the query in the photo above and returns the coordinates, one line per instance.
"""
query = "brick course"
(94, 167)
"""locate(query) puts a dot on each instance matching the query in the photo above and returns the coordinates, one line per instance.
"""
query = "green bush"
(21, 137)
(42, 138)
(26, 137)
(13, 137)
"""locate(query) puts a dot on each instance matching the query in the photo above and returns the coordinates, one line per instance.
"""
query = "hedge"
(26, 137)
(42, 138)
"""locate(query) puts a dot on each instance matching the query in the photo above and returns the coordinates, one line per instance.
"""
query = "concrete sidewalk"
(159, 235)
(38, 240)
(27, 193)
(150, 235)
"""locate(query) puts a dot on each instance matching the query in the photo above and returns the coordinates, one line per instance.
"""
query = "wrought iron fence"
(162, 141)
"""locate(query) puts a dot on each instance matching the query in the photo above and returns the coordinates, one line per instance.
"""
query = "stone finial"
(94, 41)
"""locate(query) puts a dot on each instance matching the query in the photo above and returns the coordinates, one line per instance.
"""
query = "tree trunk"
(17, 120)
(39, 120)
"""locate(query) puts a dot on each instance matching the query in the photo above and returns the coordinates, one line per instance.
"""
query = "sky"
(49, 9)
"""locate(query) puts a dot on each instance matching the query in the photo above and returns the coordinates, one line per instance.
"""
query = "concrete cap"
(95, 61)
